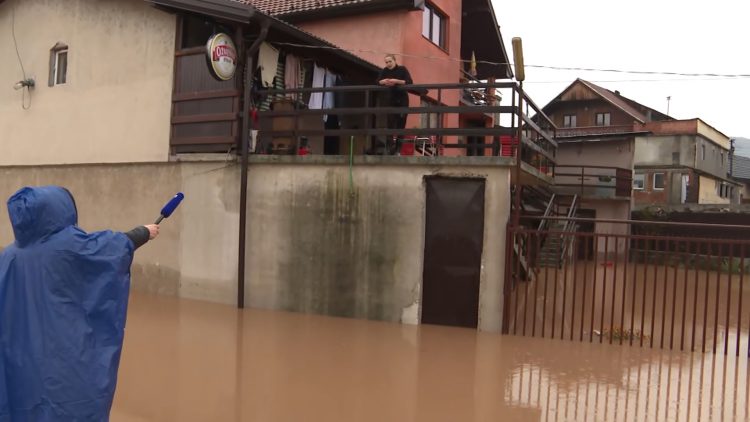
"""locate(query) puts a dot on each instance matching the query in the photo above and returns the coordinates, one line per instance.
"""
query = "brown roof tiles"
(282, 7)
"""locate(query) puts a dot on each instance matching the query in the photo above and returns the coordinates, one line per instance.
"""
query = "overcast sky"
(655, 35)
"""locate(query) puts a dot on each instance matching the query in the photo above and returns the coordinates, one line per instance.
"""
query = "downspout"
(731, 157)
(246, 126)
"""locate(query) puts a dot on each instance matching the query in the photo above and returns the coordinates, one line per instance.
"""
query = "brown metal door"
(454, 236)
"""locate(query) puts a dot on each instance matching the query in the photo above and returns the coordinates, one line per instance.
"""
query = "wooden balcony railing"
(594, 181)
(290, 122)
(567, 132)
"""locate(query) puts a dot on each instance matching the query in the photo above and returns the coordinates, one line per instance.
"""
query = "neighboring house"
(682, 162)
(740, 173)
(596, 134)
(673, 162)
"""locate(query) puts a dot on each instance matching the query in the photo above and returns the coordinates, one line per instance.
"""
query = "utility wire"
(583, 69)
(18, 54)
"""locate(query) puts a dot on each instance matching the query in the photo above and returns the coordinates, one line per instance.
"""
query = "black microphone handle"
(158, 220)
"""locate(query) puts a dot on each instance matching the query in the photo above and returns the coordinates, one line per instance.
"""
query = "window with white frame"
(703, 152)
(58, 64)
(603, 119)
(639, 181)
(658, 181)
(433, 25)
(569, 120)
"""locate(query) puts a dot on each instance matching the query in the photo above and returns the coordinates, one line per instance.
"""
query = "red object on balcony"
(508, 145)
(407, 145)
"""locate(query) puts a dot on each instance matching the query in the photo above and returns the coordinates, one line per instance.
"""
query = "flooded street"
(193, 361)
(654, 306)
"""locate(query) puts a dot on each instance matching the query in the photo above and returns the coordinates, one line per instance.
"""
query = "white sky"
(655, 35)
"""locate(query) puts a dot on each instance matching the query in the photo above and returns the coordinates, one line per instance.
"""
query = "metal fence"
(642, 290)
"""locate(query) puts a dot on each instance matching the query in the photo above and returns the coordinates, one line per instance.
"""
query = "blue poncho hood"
(63, 301)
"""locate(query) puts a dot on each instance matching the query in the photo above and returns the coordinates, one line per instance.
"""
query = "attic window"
(603, 119)
(58, 64)
(569, 120)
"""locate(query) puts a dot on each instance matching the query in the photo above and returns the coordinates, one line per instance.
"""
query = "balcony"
(594, 182)
(289, 126)
(573, 132)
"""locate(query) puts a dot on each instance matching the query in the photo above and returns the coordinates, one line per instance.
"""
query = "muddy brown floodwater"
(193, 361)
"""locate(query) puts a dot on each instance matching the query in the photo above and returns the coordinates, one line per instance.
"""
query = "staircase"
(557, 241)
(550, 255)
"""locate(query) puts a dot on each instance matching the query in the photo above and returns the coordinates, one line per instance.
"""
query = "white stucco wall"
(115, 106)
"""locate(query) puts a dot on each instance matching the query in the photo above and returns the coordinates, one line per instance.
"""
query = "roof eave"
(349, 10)
(221, 9)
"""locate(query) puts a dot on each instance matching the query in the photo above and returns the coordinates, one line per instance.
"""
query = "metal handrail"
(547, 213)
(569, 227)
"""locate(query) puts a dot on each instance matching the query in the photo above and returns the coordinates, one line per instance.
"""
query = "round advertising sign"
(222, 56)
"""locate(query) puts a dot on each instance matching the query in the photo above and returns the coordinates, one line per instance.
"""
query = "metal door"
(454, 236)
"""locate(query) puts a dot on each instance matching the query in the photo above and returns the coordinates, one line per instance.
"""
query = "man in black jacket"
(395, 76)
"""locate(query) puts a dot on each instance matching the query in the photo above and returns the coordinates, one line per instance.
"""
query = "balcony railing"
(288, 123)
(568, 132)
(478, 96)
(594, 181)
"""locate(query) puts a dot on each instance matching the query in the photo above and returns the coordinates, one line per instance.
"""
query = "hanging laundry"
(268, 60)
(292, 74)
(330, 82)
(328, 97)
(278, 84)
(318, 81)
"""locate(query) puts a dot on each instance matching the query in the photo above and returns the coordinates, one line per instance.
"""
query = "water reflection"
(193, 361)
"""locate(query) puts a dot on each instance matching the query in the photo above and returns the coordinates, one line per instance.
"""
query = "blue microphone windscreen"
(172, 204)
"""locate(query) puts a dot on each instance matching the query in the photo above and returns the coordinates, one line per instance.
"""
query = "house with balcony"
(605, 137)
(283, 209)
(436, 40)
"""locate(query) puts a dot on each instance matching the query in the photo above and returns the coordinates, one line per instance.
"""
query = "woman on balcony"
(394, 76)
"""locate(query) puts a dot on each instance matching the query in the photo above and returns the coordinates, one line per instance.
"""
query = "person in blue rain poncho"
(63, 301)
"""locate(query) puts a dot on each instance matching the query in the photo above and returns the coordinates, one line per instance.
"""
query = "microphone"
(170, 207)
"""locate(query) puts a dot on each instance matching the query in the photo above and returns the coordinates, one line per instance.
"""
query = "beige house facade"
(103, 82)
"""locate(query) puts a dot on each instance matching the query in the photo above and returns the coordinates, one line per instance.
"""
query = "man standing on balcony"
(394, 76)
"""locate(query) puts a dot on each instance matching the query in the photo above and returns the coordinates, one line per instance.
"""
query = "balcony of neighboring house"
(578, 131)
(593, 182)
(352, 120)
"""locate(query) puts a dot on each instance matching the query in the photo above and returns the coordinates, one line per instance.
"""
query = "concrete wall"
(610, 210)
(682, 150)
(707, 193)
(713, 135)
(196, 254)
(115, 106)
(678, 150)
(313, 244)
(320, 244)
(610, 154)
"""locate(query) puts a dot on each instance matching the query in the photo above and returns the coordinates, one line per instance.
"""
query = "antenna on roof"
(668, 99)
